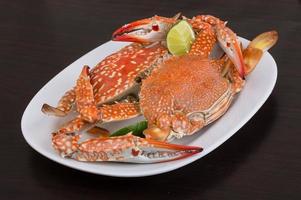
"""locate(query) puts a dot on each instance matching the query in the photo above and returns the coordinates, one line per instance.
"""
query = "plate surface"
(36, 126)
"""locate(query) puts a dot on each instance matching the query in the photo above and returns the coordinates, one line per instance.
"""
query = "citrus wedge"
(180, 38)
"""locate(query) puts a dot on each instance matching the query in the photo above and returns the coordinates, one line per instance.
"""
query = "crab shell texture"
(180, 88)
(114, 77)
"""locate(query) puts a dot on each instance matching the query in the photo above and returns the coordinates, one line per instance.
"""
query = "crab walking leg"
(64, 106)
(256, 48)
(119, 111)
(126, 148)
(85, 98)
(65, 141)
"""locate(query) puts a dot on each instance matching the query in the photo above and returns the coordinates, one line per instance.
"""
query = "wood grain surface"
(40, 38)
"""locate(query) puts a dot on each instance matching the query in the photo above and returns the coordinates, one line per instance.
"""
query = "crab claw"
(147, 30)
(129, 148)
(231, 45)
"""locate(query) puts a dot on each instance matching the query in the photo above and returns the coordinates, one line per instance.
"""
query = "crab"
(166, 100)
(186, 93)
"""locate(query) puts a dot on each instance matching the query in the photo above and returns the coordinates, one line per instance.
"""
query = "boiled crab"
(166, 100)
(186, 93)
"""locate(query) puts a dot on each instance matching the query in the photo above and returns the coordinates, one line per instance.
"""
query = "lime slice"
(179, 38)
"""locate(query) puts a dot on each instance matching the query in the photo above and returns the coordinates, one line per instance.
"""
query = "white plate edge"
(166, 168)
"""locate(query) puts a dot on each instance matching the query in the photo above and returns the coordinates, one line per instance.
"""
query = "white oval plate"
(36, 126)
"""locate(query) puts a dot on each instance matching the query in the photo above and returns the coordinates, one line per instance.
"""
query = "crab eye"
(155, 27)
(228, 44)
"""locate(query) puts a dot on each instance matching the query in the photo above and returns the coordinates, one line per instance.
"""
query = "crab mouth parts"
(207, 116)
(216, 109)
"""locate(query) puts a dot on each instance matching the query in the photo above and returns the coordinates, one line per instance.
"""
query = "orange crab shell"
(182, 85)
(115, 75)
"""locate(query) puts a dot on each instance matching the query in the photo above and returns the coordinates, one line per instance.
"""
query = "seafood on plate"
(177, 95)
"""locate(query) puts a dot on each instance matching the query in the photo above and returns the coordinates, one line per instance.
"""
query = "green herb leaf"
(136, 129)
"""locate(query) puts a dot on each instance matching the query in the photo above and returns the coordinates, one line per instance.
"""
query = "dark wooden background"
(40, 38)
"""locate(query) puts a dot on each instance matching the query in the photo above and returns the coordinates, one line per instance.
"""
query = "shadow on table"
(184, 183)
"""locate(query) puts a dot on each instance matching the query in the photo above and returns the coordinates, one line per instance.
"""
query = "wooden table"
(40, 38)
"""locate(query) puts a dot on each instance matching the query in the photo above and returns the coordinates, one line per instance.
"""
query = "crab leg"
(64, 105)
(84, 97)
(132, 149)
(88, 110)
(256, 48)
(65, 141)
(147, 30)
(231, 45)
(126, 148)
(65, 136)
(225, 36)
(251, 56)
(204, 41)
(119, 111)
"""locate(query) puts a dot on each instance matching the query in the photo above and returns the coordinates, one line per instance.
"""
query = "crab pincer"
(148, 30)
(133, 149)
(126, 148)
